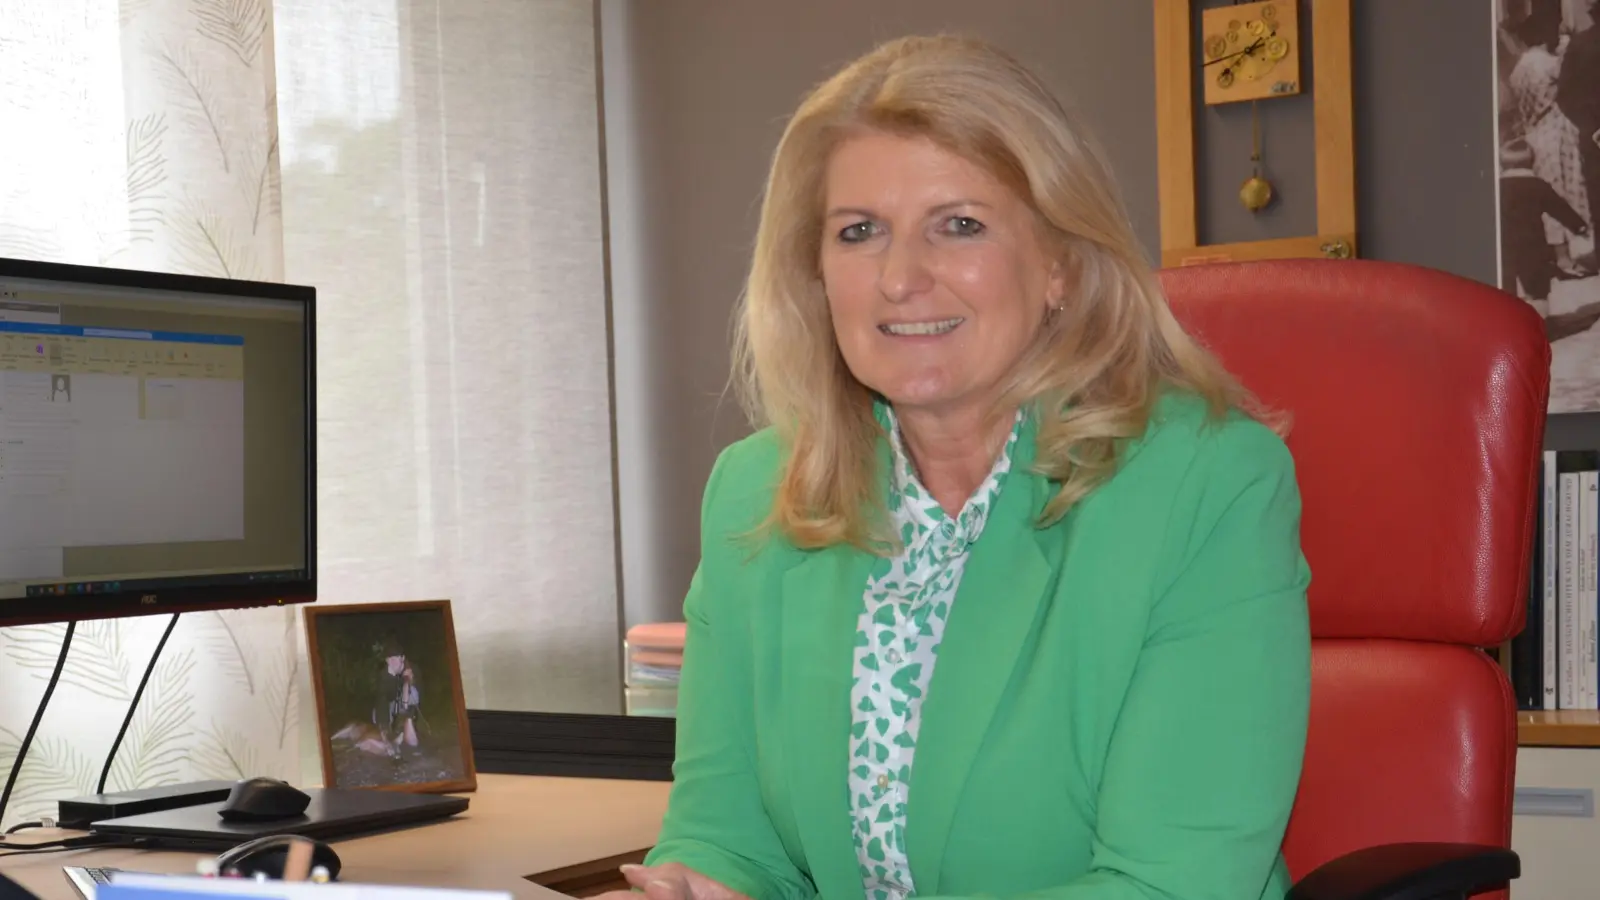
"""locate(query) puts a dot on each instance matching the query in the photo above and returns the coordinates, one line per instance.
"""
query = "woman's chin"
(916, 396)
(925, 400)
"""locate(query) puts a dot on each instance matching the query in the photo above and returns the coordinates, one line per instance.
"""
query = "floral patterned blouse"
(904, 608)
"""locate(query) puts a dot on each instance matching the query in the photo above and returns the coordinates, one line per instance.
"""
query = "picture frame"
(390, 712)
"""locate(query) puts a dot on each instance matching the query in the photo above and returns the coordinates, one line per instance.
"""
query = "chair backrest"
(1418, 404)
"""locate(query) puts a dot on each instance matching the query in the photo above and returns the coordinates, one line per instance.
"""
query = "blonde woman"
(1007, 594)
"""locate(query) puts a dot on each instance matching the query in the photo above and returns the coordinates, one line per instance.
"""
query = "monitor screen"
(157, 438)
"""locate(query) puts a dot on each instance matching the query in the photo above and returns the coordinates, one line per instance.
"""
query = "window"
(432, 167)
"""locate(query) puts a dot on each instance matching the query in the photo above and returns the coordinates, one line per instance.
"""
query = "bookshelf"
(1573, 728)
(1552, 728)
(1560, 728)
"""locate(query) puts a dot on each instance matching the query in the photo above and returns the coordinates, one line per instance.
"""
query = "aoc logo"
(147, 599)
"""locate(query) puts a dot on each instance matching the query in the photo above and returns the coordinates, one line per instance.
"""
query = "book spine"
(1549, 620)
(1567, 695)
(1588, 601)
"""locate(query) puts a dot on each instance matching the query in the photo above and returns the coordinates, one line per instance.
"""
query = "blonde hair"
(1095, 370)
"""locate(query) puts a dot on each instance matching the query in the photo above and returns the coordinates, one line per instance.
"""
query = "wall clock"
(1251, 51)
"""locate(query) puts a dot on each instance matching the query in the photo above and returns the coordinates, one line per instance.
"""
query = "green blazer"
(1118, 710)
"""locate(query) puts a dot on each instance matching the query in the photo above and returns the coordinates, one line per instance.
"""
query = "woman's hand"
(671, 881)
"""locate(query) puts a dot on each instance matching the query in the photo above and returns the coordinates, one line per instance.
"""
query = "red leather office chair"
(1418, 401)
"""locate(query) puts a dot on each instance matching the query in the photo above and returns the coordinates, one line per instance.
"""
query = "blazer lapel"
(821, 599)
(997, 603)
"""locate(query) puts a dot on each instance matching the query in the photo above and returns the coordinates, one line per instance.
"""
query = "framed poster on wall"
(1547, 148)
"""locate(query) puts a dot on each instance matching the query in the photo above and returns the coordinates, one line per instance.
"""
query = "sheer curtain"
(432, 167)
(441, 184)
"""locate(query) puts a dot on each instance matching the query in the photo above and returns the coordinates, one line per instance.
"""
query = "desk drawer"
(1554, 828)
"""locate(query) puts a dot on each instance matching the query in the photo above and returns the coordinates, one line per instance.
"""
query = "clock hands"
(1246, 51)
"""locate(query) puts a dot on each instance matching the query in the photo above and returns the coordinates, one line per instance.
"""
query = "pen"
(297, 864)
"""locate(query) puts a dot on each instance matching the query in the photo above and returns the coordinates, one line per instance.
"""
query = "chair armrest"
(1413, 871)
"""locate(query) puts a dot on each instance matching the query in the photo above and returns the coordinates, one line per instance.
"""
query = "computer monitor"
(157, 443)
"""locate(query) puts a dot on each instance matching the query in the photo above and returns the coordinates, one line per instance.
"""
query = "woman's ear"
(1056, 286)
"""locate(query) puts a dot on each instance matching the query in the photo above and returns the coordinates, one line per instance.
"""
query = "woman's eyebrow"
(864, 213)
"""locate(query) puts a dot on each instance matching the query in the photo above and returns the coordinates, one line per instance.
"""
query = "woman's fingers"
(659, 882)
(673, 881)
(638, 876)
(667, 889)
(703, 888)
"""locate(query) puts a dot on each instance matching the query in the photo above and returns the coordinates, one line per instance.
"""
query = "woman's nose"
(903, 270)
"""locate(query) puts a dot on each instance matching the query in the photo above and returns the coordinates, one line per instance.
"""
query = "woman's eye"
(856, 233)
(965, 226)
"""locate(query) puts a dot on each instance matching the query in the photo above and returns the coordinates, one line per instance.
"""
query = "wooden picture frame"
(384, 725)
(1333, 113)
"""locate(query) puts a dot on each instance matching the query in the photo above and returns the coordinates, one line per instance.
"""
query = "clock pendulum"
(1256, 192)
(1251, 53)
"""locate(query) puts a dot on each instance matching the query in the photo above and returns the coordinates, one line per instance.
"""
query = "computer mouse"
(263, 800)
(267, 855)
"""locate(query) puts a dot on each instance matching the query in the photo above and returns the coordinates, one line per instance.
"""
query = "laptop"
(332, 814)
(84, 879)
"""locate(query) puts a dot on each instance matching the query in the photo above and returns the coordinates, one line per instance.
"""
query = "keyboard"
(84, 879)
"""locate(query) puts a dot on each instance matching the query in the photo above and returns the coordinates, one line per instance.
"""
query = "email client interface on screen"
(148, 439)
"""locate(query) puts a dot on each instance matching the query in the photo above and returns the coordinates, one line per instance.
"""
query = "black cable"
(133, 705)
(33, 727)
(40, 850)
(83, 840)
(24, 826)
(81, 843)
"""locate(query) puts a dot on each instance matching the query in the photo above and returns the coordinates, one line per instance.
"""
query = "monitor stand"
(78, 813)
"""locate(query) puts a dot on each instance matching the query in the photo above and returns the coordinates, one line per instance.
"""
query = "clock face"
(1250, 51)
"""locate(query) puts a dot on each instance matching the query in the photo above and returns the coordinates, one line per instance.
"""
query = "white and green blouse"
(904, 608)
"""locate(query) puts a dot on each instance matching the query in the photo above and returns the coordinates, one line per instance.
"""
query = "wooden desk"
(516, 827)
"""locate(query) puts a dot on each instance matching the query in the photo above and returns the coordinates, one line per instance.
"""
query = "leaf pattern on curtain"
(166, 113)
(432, 168)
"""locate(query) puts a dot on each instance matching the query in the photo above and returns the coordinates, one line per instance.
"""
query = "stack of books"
(654, 662)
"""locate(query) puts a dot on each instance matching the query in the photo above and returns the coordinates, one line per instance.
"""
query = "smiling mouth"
(921, 329)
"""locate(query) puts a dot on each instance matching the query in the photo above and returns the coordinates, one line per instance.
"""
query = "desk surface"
(516, 826)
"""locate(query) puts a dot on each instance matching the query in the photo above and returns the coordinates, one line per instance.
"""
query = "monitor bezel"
(79, 607)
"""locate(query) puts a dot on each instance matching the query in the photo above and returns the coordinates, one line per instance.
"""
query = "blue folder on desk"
(125, 892)
(177, 887)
